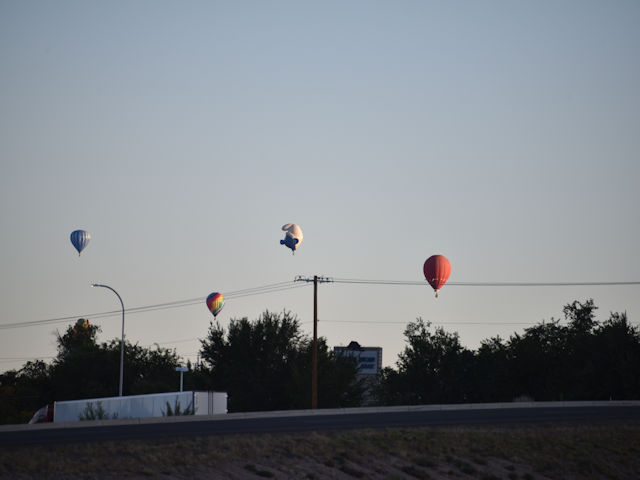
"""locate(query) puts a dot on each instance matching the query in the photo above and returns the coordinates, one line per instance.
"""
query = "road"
(81, 432)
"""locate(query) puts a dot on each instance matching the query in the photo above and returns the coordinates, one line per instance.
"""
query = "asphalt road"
(190, 426)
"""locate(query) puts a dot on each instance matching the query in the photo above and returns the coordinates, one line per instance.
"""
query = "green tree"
(149, 370)
(491, 382)
(392, 388)
(266, 365)
(252, 360)
(338, 382)
(433, 368)
(82, 368)
(580, 316)
(80, 336)
(24, 391)
(537, 362)
(581, 370)
(581, 360)
(575, 360)
(9, 400)
(616, 351)
(85, 369)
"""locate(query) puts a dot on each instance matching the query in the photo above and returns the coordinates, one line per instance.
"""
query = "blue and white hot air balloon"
(80, 239)
(293, 238)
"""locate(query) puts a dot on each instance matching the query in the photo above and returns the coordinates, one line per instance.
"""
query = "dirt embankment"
(610, 451)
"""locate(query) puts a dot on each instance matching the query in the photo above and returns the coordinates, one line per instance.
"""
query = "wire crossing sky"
(484, 284)
(281, 286)
(276, 287)
(504, 136)
(264, 289)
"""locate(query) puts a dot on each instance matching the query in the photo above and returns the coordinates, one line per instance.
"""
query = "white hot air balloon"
(293, 238)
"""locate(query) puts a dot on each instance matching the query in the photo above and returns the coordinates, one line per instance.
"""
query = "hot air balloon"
(293, 238)
(80, 239)
(215, 302)
(437, 270)
(82, 323)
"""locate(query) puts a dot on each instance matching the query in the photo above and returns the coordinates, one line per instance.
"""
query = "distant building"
(369, 358)
(369, 365)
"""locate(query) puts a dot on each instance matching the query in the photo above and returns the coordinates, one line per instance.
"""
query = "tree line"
(265, 364)
(581, 359)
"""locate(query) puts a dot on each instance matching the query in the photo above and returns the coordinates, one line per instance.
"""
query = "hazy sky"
(182, 135)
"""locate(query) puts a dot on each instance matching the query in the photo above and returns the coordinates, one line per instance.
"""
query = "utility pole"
(314, 356)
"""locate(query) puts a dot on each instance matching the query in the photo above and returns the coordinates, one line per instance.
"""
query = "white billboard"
(369, 358)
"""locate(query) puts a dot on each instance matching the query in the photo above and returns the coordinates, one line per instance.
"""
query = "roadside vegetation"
(265, 364)
(598, 451)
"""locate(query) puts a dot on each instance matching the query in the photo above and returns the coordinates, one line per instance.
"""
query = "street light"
(181, 370)
(122, 337)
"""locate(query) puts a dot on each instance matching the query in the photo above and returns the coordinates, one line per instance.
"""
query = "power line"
(289, 286)
(540, 284)
(298, 283)
(10, 359)
(269, 288)
(316, 278)
(391, 322)
(252, 290)
(482, 284)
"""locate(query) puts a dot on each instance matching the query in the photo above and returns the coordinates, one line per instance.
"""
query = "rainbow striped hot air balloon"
(215, 302)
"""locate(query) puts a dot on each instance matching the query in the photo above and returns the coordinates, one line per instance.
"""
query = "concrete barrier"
(324, 411)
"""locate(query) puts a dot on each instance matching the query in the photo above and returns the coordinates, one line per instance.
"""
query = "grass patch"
(354, 472)
(564, 451)
(424, 462)
(261, 473)
(479, 461)
(465, 467)
(416, 472)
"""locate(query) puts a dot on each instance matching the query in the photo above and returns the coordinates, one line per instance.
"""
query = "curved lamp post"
(122, 337)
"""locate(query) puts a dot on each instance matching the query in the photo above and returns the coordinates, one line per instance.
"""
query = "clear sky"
(182, 135)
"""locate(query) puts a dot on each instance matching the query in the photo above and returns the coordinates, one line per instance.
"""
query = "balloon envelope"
(80, 239)
(437, 270)
(82, 323)
(294, 236)
(215, 302)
